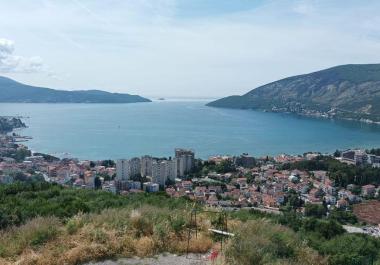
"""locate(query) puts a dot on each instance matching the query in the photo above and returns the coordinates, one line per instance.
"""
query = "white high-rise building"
(162, 170)
(185, 161)
(122, 169)
(125, 169)
(134, 166)
(146, 166)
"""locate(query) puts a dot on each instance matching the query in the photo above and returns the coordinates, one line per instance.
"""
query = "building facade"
(146, 166)
(125, 169)
(164, 170)
(185, 161)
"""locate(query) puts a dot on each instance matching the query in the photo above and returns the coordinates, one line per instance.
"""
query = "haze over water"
(111, 131)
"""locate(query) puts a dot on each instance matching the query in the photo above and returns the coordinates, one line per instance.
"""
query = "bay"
(111, 131)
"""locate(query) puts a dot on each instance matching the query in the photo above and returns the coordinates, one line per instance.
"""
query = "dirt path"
(165, 259)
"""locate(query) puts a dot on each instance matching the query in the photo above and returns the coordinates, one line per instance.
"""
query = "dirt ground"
(165, 259)
(368, 212)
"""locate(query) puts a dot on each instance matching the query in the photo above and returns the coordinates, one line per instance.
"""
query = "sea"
(112, 131)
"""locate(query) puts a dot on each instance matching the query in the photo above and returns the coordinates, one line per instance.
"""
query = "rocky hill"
(7, 124)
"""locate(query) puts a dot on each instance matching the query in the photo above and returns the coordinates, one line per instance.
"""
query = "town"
(264, 184)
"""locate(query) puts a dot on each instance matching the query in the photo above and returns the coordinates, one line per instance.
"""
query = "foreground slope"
(347, 91)
(12, 91)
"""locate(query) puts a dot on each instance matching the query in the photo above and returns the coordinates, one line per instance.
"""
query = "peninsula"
(344, 92)
(14, 92)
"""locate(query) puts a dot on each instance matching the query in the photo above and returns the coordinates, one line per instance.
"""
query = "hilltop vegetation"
(12, 91)
(50, 224)
(347, 91)
(23, 201)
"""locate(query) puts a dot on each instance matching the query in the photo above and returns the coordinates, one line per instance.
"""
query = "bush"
(261, 242)
(23, 201)
(352, 249)
(33, 234)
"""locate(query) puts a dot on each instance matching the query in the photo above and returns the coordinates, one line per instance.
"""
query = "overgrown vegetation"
(48, 224)
(23, 201)
(262, 242)
(323, 235)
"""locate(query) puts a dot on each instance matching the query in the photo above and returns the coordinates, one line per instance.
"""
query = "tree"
(97, 183)
(337, 153)
(351, 249)
(225, 166)
(315, 210)
(293, 200)
(108, 163)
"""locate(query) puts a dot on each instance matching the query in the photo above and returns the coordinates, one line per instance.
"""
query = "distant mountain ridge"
(347, 91)
(15, 92)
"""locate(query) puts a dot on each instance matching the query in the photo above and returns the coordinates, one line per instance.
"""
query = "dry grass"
(32, 235)
(90, 237)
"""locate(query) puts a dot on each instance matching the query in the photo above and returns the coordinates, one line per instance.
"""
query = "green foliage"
(315, 210)
(343, 217)
(341, 173)
(374, 151)
(33, 234)
(261, 242)
(352, 249)
(177, 223)
(23, 201)
(108, 163)
(20, 154)
(293, 200)
(323, 228)
(97, 183)
(48, 158)
(225, 166)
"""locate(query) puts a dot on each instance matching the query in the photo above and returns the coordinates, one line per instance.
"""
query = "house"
(331, 200)
(187, 185)
(368, 190)
(269, 200)
(242, 182)
(151, 187)
(342, 204)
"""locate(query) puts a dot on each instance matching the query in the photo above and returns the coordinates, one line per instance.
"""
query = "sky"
(181, 48)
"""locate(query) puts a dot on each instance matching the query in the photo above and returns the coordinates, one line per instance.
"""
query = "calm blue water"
(101, 131)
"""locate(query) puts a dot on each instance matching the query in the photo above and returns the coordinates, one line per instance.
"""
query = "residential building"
(245, 161)
(125, 169)
(146, 166)
(164, 170)
(151, 187)
(185, 161)
(368, 190)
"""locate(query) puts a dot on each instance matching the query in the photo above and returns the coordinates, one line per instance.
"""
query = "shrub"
(145, 247)
(261, 242)
(352, 249)
(32, 234)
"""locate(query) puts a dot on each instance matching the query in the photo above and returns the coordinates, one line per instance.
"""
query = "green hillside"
(12, 91)
(347, 91)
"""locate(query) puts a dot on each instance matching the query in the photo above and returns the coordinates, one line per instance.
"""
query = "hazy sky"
(181, 48)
